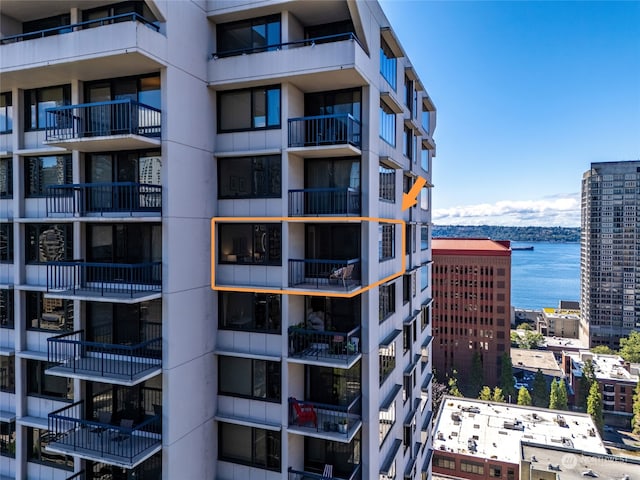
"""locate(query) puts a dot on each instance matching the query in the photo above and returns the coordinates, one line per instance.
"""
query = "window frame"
(32, 250)
(6, 252)
(36, 376)
(250, 92)
(39, 183)
(34, 446)
(270, 229)
(9, 367)
(251, 24)
(270, 301)
(34, 310)
(6, 191)
(387, 183)
(386, 301)
(386, 361)
(272, 161)
(387, 125)
(424, 237)
(32, 99)
(270, 435)
(386, 242)
(254, 365)
(6, 112)
(6, 309)
(8, 429)
(388, 64)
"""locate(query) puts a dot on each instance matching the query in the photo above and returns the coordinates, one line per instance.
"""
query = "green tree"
(603, 350)
(476, 376)
(524, 326)
(630, 347)
(594, 406)
(635, 421)
(540, 397)
(584, 385)
(485, 393)
(524, 398)
(506, 376)
(531, 340)
(498, 396)
(558, 398)
(515, 338)
(553, 395)
(453, 384)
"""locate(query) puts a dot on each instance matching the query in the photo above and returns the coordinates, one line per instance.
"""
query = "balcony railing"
(323, 345)
(79, 26)
(120, 444)
(324, 130)
(305, 475)
(116, 117)
(104, 279)
(100, 198)
(75, 355)
(327, 274)
(324, 201)
(340, 420)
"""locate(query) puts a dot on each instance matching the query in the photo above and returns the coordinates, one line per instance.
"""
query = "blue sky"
(528, 95)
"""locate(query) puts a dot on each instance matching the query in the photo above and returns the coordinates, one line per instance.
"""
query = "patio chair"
(342, 273)
(304, 412)
(328, 471)
(104, 418)
(127, 425)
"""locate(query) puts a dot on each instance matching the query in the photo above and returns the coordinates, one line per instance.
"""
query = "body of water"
(546, 275)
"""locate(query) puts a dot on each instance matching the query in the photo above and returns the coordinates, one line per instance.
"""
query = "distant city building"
(610, 273)
(559, 322)
(472, 305)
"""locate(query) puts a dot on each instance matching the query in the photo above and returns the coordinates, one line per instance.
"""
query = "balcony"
(107, 47)
(341, 350)
(334, 59)
(324, 201)
(331, 276)
(108, 282)
(103, 362)
(125, 445)
(103, 199)
(93, 127)
(304, 475)
(330, 422)
(325, 135)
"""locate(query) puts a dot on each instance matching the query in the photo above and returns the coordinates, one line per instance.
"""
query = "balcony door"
(332, 242)
(332, 108)
(124, 243)
(334, 176)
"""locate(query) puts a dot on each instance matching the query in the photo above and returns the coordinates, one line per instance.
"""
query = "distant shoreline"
(515, 234)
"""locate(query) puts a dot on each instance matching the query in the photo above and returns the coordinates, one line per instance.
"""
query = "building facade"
(139, 338)
(472, 306)
(609, 279)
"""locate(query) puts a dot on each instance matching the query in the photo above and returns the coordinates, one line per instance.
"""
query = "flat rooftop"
(494, 430)
(533, 360)
(606, 367)
(564, 342)
(470, 246)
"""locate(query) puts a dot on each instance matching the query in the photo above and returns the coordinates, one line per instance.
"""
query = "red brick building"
(472, 305)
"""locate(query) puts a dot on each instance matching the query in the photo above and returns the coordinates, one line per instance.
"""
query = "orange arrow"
(411, 198)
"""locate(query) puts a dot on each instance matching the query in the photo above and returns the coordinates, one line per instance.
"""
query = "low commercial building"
(526, 364)
(560, 322)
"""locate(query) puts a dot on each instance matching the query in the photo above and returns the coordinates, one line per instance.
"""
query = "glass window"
(251, 109)
(424, 317)
(250, 177)
(387, 300)
(124, 242)
(406, 288)
(6, 178)
(6, 112)
(48, 313)
(38, 100)
(37, 441)
(251, 446)
(424, 277)
(407, 143)
(444, 462)
(8, 439)
(424, 237)
(124, 324)
(387, 183)
(6, 242)
(249, 378)
(50, 386)
(249, 312)
(7, 374)
(47, 23)
(387, 418)
(386, 242)
(424, 199)
(47, 242)
(258, 244)
(387, 125)
(472, 467)
(248, 36)
(6, 308)
(425, 120)
(386, 360)
(40, 172)
(387, 64)
(424, 159)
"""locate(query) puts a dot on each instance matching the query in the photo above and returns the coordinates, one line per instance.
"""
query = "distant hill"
(516, 234)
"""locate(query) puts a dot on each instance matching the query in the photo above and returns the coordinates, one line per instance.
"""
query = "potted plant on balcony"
(342, 425)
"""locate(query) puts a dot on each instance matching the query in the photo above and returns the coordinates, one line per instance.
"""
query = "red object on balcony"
(304, 412)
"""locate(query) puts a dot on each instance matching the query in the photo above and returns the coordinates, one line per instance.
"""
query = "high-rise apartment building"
(124, 129)
(471, 307)
(609, 260)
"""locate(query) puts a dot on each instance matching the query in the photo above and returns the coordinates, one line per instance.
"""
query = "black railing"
(116, 117)
(124, 197)
(324, 201)
(122, 442)
(323, 130)
(76, 354)
(338, 37)
(325, 345)
(305, 475)
(324, 273)
(104, 278)
(47, 32)
(327, 418)
(78, 476)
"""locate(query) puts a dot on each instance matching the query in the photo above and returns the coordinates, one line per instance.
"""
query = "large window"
(472, 467)
(8, 439)
(424, 277)
(124, 324)
(46, 242)
(117, 9)
(6, 178)
(6, 112)
(387, 183)
(387, 64)
(249, 177)
(49, 386)
(251, 109)
(345, 457)
(48, 23)
(6, 242)
(251, 446)
(424, 316)
(386, 242)
(248, 36)
(249, 378)
(424, 237)
(6, 308)
(7, 374)
(124, 242)
(48, 313)
(424, 159)
(424, 198)
(258, 244)
(386, 418)
(387, 360)
(38, 100)
(37, 441)
(258, 312)
(40, 172)
(387, 300)
(387, 124)
(407, 143)
(333, 386)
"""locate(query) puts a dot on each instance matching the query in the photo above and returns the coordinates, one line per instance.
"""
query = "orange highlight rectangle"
(289, 291)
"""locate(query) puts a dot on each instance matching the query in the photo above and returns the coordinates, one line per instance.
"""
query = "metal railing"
(82, 198)
(104, 359)
(326, 345)
(324, 273)
(115, 117)
(104, 278)
(324, 201)
(323, 130)
(287, 45)
(78, 476)
(304, 475)
(98, 22)
(329, 418)
(73, 432)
